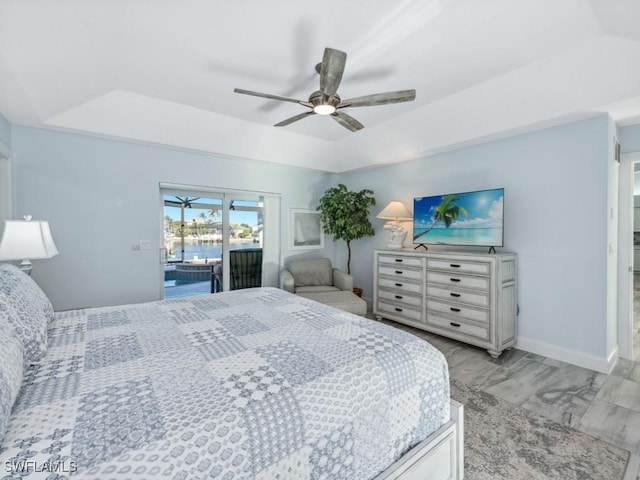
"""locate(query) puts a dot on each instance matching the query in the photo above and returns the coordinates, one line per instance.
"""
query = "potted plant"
(345, 216)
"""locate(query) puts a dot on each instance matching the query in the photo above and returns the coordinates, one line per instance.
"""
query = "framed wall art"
(305, 229)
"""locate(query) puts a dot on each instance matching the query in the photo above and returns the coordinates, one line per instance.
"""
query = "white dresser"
(468, 296)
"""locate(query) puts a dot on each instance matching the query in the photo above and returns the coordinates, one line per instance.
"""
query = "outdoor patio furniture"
(245, 270)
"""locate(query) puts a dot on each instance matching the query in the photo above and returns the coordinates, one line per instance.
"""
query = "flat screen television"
(464, 219)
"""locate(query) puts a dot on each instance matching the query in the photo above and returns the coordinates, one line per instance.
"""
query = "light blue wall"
(629, 138)
(102, 196)
(6, 176)
(555, 184)
(5, 135)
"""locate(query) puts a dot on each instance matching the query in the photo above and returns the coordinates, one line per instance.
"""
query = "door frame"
(625, 253)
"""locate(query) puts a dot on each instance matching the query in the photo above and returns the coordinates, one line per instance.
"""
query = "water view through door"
(198, 230)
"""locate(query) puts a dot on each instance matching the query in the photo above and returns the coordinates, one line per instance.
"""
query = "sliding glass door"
(203, 230)
(192, 239)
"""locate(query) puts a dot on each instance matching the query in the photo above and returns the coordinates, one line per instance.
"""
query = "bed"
(247, 384)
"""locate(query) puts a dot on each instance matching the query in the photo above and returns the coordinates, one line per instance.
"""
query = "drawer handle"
(453, 324)
(454, 294)
(454, 279)
(399, 297)
(399, 260)
(453, 309)
(399, 272)
(454, 265)
(398, 309)
(398, 284)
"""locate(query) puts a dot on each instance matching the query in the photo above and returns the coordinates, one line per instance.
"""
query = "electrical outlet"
(145, 244)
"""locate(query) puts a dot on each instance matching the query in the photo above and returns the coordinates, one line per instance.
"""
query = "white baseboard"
(574, 357)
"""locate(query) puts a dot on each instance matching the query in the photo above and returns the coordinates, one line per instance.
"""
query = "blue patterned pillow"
(11, 372)
(25, 307)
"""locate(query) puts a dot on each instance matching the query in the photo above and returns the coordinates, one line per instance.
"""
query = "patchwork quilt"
(248, 384)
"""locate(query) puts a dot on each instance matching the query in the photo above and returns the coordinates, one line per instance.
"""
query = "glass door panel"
(245, 233)
(245, 224)
(193, 242)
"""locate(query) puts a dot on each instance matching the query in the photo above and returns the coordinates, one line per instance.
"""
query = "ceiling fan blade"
(331, 70)
(295, 118)
(347, 121)
(380, 99)
(270, 96)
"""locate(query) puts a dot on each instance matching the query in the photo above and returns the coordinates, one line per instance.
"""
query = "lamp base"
(26, 266)
(397, 239)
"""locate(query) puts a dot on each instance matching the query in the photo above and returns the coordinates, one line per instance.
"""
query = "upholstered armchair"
(314, 276)
(317, 280)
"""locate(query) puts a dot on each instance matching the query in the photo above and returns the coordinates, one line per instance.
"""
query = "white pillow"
(11, 373)
(25, 307)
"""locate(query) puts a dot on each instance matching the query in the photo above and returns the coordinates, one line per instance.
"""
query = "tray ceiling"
(164, 72)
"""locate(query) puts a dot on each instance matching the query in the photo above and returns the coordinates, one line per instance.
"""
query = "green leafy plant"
(345, 215)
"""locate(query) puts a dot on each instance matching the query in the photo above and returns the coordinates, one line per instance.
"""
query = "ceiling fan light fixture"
(326, 100)
(324, 109)
(324, 104)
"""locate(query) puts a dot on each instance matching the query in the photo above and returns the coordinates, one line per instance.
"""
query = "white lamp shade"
(27, 239)
(395, 211)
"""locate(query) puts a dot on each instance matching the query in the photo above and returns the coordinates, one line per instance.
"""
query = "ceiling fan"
(326, 101)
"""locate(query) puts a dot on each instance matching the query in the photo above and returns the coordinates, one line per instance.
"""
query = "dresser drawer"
(479, 268)
(399, 260)
(401, 310)
(459, 311)
(453, 325)
(399, 272)
(477, 299)
(393, 297)
(401, 285)
(461, 281)
(467, 296)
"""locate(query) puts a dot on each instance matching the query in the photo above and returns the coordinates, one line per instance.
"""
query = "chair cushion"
(317, 289)
(317, 271)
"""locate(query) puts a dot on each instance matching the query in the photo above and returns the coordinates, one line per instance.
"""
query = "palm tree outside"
(444, 213)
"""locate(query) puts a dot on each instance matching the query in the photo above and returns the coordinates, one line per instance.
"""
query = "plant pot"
(357, 291)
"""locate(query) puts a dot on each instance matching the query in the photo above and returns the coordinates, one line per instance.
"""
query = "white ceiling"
(163, 72)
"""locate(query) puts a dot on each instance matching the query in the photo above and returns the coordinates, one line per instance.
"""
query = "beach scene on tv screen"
(470, 218)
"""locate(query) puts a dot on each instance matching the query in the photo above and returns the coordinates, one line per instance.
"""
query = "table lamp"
(395, 212)
(26, 240)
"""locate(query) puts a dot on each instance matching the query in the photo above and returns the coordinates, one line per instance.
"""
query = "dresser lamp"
(395, 212)
(26, 240)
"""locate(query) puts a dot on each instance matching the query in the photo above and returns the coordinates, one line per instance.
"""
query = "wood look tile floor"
(604, 406)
